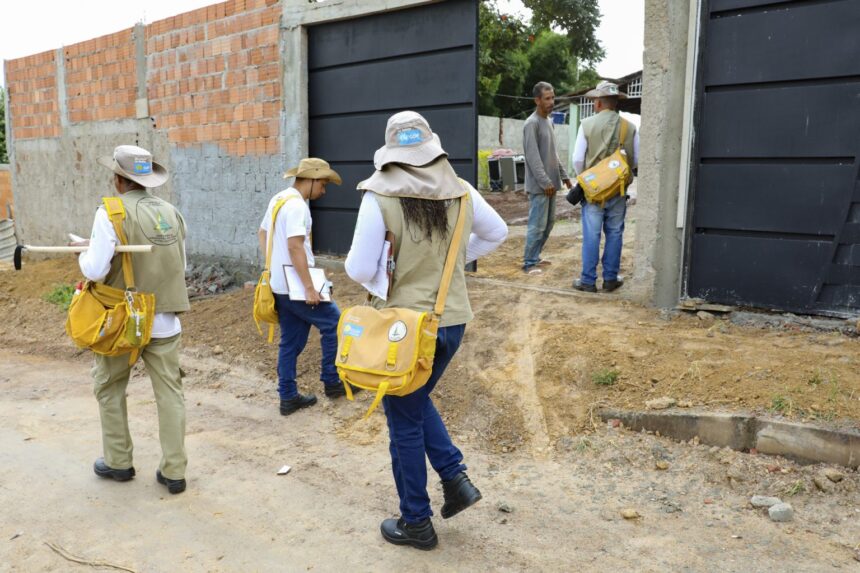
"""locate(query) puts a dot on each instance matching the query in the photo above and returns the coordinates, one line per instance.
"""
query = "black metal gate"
(362, 71)
(775, 218)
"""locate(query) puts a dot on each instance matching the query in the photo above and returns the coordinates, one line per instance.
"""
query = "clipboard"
(297, 289)
(380, 285)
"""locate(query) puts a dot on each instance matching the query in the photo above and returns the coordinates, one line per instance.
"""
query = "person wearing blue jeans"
(540, 223)
(415, 428)
(295, 318)
(609, 219)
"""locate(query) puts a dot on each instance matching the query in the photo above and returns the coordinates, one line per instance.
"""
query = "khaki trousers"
(111, 374)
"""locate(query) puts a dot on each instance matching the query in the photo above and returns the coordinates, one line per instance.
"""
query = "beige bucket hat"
(606, 89)
(314, 168)
(408, 140)
(135, 163)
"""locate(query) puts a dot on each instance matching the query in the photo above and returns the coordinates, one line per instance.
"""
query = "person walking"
(544, 176)
(148, 220)
(598, 138)
(291, 247)
(415, 194)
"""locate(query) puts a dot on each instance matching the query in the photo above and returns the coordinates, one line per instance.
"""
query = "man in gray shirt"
(544, 176)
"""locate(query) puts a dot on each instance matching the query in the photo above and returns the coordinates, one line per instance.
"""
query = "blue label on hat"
(409, 136)
(142, 166)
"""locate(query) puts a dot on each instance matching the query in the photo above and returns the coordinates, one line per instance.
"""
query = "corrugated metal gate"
(362, 71)
(775, 220)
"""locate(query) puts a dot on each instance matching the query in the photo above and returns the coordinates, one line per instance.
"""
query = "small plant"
(781, 404)
(584, 444)
(484, 168)
(795, 488)
(60, 295)
(816, 379)
(605, 377)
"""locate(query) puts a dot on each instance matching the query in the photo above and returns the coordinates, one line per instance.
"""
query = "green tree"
(4, 158)
(578, 18)
(502, 62)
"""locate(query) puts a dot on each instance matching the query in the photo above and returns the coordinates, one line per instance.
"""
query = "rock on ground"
(764, 501)
(781, 512)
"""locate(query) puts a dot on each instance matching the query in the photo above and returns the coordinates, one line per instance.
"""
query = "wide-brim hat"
(314, 168)
(408, 140)
(606, 89)
(135, 163)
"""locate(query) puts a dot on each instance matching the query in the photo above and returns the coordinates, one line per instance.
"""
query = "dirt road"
(238, 515)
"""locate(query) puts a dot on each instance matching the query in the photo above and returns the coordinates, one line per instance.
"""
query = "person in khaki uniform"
(148, 220)
(416, 195)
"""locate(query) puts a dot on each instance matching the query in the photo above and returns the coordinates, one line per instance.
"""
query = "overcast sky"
(33, 26)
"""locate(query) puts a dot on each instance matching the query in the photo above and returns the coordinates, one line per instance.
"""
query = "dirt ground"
(520, 397)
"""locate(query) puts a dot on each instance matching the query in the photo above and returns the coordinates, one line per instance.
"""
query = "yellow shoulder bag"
(108, 320)
(609, 177)
(391, 351)
(264, 298)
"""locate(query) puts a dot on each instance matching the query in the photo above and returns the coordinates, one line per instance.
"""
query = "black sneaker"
(610, 286)
(578, 285)
(419, 535)
(102, 470)
(300, 401)
(174, 486)
(460, 493)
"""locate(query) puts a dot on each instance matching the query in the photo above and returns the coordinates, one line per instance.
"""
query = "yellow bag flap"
(379, 340)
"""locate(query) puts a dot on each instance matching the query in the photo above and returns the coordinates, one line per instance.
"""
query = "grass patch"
(781, 404)
(795, 488)
(61, 295)
(583, 445)
(605, 377)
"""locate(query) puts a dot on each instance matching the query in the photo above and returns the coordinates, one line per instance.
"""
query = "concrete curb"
(800, 442)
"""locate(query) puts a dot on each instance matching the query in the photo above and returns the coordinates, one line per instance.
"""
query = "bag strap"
(451, 259)
(623, 133)
(278, 204)
(116, 214)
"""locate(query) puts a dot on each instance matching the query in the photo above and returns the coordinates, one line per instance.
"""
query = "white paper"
(378, 285)
(75, 238)
(284, 471)
(297, 289)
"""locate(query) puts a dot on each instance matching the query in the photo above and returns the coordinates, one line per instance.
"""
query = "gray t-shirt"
(542, 163)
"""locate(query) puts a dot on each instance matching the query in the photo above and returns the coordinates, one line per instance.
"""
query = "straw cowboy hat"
(409, 140)
(136, 164)
(314, 168)
(606, 89)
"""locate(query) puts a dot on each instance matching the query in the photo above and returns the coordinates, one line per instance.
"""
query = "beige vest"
(601, 134)
(153, 221)
(419, 264)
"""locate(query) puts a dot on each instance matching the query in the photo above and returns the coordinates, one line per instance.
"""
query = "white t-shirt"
(294, 220)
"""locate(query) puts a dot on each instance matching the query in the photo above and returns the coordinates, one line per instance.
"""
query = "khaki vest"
(419, 264)
(150, 220)
(601, 134)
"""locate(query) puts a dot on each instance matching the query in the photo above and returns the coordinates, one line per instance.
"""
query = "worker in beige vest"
(598, 138)
(149, 220)
(415, 194)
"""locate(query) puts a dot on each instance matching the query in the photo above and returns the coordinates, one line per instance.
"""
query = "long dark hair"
(426, 216)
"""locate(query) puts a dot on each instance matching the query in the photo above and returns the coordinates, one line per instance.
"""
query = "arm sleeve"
(488, 228)
(292, 217)
(95, 261)
(367, 242)
(636, 149)
(579, 149)
(532, 154)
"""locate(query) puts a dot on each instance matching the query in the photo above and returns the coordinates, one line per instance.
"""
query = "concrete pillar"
(141, 104)
(60, 58)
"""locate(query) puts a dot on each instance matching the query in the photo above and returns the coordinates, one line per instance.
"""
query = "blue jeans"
(416, 429)
(295, 318)
(541, 219)
(610, 218)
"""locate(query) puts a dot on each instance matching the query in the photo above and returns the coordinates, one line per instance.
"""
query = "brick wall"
(100, 78)
(213, 76)
(5, 190)
(33, 102)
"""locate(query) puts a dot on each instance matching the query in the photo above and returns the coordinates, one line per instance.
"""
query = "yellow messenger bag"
(108, 320)
(264, 298)
(609, 177)
(391, 351)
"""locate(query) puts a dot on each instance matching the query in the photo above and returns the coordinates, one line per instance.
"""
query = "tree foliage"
(514, 55)
(4, 158)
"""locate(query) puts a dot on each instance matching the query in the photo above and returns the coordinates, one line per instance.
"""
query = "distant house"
(630, 84)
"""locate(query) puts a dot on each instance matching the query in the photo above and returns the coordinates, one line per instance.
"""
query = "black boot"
(300, 401)
(419, 535)
(173, 485)
(459, 494)
(102, 470)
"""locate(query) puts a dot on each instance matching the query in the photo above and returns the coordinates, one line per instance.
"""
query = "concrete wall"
(659, 242)
(5, 190)
(511, 135)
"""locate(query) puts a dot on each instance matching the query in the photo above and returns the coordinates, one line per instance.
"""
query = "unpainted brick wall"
(100, 78)
(31, 84)
(5, 190)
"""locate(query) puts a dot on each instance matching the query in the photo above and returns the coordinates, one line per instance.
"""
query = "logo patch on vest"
(397, 332)
(153, 223)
